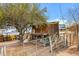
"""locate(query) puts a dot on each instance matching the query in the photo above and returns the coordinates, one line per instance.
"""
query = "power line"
(61, 15)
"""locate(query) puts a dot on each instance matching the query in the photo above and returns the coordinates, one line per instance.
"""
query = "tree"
(74, 14)
(22, 15)
(2, 21)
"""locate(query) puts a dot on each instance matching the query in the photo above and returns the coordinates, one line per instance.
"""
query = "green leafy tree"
(22, 15)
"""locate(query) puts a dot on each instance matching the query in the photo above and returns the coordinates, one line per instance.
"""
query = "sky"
(54, 10)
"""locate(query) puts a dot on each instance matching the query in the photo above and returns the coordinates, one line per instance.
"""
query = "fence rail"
(36, 47)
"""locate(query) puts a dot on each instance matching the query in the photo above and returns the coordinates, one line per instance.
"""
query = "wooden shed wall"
(51, 28)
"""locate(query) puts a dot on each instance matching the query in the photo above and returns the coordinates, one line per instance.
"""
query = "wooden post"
(5, 50)
(65, 39)
(1, 51)
(72, 39)
(77, 29)
(50, 45)
(68, 39)
(36, 46)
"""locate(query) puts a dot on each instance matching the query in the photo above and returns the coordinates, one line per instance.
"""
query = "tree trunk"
(21, 38)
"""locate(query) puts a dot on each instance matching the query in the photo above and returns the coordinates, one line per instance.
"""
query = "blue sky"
(54, 9)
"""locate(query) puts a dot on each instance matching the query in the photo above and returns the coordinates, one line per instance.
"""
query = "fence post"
(4, 50)
(71, 39)
(36, 46)
(50, 44)
(1, 51)
(65, 39)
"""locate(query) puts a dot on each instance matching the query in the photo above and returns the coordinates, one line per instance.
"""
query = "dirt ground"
(71, 51)
(30, 50)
